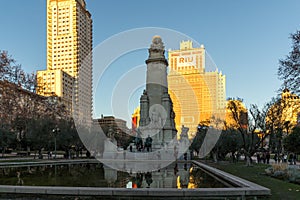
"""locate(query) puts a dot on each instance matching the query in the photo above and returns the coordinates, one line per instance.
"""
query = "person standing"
(284, 158)
(257, 157)
(291, 157)
(268, 157)
(264, 157)
(275, 157)
(295, 159)
(280, 158)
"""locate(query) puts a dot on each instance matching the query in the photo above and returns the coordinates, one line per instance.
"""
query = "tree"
(6, 67)
(289, 68)
(6, 138)
(247, 127)
(276, 122)
(13, 73)
(259, 123)
(205, 141)
(199, 138)
(292, 141)
(29, 117)
(38, 134)
(230, 141)
(68, 136)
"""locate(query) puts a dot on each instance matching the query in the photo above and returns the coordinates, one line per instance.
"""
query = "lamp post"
(55, 131)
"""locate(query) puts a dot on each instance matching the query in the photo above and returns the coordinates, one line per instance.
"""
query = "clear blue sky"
(244, 38)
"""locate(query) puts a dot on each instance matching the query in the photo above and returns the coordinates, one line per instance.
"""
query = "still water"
(177, 175)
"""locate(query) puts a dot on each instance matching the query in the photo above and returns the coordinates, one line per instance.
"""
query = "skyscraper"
(197, 94)
(69, 57)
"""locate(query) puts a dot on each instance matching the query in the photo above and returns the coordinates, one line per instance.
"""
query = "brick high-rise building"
(69, 57)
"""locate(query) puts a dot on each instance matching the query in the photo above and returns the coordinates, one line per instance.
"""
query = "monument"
(156, 107)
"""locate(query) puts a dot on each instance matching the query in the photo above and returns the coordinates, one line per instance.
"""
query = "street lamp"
(55, 131)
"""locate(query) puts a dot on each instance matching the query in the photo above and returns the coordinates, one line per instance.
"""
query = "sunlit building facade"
(135, 119)
(69, 56)
(197, 94)
(291, 111)
(56, 83)
(285, 113)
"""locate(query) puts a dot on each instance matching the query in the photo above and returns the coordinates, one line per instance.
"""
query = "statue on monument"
(184, 131)
(184, 135)
(157, 43)
(155, 119)
(148, 143)
(157, 116)
(156, 107)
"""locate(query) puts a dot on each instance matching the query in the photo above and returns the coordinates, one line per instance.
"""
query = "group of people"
(284, 158)
(140, 146)
(263, 157)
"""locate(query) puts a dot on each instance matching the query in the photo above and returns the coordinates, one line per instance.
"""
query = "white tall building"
(69, 49)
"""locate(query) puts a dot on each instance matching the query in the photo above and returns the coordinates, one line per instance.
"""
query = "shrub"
(279, 167)
(294, 175)
(284, 172)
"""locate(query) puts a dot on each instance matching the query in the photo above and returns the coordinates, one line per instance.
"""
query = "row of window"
(58, 41)
(61, 64)
(64, 48)
(61, 26)
(61, 18)
(62, 38)
(63, 8)
(61, 31)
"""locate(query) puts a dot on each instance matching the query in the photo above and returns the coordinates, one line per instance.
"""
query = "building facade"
(284, 114)
(69, 57)
(291, 111)
(114, 127)
(135, 120)
(56, 83)
(197, 94)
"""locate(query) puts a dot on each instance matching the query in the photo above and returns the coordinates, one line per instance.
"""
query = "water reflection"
(177, 175)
